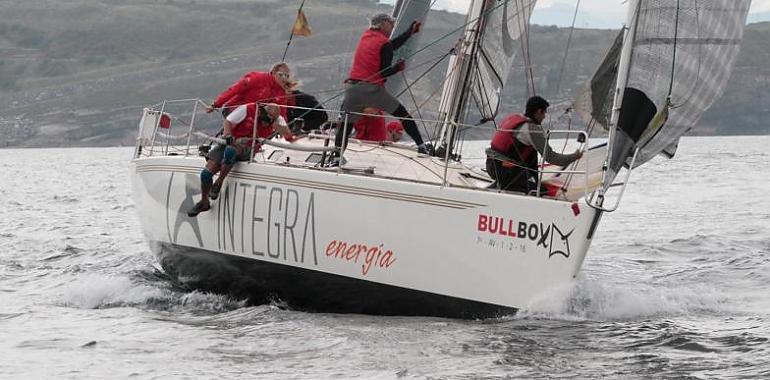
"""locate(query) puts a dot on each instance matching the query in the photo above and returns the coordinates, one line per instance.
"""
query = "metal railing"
(155, 140)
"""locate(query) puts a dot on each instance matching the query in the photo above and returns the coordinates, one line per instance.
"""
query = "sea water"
(675, 286)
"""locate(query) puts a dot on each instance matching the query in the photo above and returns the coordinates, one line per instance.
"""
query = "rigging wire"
(566, 49)
(434, 42)
(524, 40)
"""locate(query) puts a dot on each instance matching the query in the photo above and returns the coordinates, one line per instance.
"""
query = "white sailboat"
(394, 232)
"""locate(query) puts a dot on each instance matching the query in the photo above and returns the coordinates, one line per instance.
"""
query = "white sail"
(504, 23)
(405, 12)
(682, 53)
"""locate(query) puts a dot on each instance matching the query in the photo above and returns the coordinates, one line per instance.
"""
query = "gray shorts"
(361, 95)
(217, 153)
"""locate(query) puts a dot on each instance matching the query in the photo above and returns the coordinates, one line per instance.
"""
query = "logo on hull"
(546, 236)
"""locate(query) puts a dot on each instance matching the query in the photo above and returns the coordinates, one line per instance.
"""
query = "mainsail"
(493, 33)
(504, 23)
(679, 57)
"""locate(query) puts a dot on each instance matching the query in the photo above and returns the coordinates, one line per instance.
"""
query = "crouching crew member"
(512, 157)
(238, 133)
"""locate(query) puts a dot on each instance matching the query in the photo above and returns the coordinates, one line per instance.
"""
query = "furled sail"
(405, 12)
(681, 56)
(504, 23)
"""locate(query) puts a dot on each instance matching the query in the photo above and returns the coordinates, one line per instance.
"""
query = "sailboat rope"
(434, 42)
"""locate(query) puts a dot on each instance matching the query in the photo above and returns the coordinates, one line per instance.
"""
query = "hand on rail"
(228, 140)
(210, 108)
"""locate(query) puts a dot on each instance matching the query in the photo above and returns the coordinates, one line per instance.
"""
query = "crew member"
(512, 157)
(257, 87)
(371, 127)
(394, 131)
(365, 86)
(311, 114)
(238, 133)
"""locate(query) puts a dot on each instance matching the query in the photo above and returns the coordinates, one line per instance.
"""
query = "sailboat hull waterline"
(328, 241)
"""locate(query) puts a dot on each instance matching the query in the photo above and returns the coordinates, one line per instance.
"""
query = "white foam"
(94, 291)
(587, 299)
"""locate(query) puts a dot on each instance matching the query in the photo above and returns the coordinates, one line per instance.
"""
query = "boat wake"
(599, 300)
(105, 291)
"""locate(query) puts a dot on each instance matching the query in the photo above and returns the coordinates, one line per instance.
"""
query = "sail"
(682, 52)
(594, 105)
(405, 12)
(504, 23)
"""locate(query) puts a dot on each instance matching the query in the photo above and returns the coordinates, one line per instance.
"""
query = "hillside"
(77, 73)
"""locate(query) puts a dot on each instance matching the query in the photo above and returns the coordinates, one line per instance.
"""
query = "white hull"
(490, 247)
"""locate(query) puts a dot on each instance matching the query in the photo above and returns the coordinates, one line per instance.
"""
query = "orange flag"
(301, 27)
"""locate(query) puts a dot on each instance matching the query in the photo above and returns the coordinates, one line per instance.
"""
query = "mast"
(455, 88)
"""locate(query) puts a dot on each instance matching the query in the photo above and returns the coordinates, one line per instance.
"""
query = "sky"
(593, 13)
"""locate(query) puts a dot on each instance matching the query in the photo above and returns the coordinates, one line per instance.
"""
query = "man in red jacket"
(239, 105)
(259, 87)
(365, 86)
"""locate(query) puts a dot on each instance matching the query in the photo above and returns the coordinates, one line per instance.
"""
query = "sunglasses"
(283, 75)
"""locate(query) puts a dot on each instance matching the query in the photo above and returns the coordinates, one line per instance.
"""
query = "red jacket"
(255, 86)
(366, 60)
(371, 128)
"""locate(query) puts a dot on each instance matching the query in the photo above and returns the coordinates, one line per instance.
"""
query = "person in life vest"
(371, 128)
(238, 135)
(365, 86)
(374, 128)
(512, 157)
(257, 87)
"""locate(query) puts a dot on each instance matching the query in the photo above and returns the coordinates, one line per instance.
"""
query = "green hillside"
(76, 73)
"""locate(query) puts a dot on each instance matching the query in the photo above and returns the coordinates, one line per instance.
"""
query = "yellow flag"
(301, 27)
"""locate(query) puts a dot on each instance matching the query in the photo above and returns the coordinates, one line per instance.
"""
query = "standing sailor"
(365, 87)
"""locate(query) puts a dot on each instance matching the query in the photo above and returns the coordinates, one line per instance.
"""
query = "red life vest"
(366, 60)
(246, 127)
(371, 128)
(504, 141)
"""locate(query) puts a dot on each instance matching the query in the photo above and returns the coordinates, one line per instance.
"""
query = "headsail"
(504, 23)
(681, 55)
(405, 12)
(594, 105)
